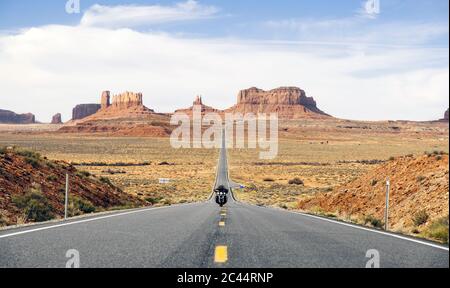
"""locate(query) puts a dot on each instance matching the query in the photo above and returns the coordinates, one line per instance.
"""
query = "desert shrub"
(78, 206)
(329, 189)
(50, 165)
(2, 221)
(153, 200)
(29, 154)
(105, 180)
(3, 150)
(420, 218)
(32, 161)
(296, 181)
(52, 178)
(374, 182)
(83, 174)
(392, 158)
(35, 205)
(438, 157)
(375, 222)
(439, 229)
(420, 178)
(283, 206)
(268, 180)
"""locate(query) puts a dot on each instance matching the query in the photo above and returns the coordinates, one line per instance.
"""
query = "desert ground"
(321, 154)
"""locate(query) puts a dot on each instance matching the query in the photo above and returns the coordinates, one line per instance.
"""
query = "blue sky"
(397, 58)
(233, 16)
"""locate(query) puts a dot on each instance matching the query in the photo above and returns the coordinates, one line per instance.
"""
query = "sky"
(359, 59)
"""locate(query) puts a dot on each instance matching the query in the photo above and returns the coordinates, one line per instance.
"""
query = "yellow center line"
(221, 254)
(222, 223)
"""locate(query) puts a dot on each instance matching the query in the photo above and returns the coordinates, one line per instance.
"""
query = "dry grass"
(192, 171)
(322, 155)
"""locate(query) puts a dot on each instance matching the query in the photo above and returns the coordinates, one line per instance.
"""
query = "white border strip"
(91, 219)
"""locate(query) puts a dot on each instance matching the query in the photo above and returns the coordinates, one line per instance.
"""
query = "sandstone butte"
(125, 105)
(288, 102)
(445, 116)
(198, 102)
(9, 117)
(125, 115)
(82, 111)
(56, 119)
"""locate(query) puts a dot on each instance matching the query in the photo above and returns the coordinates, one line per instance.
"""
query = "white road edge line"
(91, 219)
(363, 228)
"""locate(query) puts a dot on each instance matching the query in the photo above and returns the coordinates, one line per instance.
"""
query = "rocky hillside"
(10, 117)
(419, 196)
(288, 102)
(32, 189)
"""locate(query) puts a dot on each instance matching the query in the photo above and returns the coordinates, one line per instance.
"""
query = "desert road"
(204, 235)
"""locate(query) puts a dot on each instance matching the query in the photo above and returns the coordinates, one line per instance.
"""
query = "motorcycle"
(221, 195)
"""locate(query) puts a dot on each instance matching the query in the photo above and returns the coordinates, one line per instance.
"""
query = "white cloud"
(133, 16)
(358, 30)
(51, 69)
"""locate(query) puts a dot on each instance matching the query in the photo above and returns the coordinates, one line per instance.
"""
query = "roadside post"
(66, 197)
(386, 211)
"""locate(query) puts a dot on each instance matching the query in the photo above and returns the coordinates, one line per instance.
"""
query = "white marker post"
(66, 196)
(386, 211)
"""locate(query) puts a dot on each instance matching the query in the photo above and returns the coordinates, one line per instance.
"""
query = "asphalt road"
(204, 235)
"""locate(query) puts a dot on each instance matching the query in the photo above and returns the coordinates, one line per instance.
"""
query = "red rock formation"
(288, 102)
(56, 119)
(127, 100)
(446, 116)
(10, 117)
(105, 100)
(84, 110)
(125, 105)
(198, 102)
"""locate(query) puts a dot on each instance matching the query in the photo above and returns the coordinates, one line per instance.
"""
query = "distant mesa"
(56, 119)
(124, 105)
(288, 102)
(9, 117)
(445, 116)
(82, 111)
(121, 115)
(198, 102)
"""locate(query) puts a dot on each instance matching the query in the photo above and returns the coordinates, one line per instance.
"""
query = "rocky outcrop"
(57, 119)
(124, 105)
(105, 100)
(124, 115)
(198, 102)
(127, 100)
(10, 117)
(288, 102)
(446, 116)
(84, 110)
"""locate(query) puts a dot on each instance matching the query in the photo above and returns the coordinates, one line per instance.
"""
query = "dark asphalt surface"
(186, 236)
